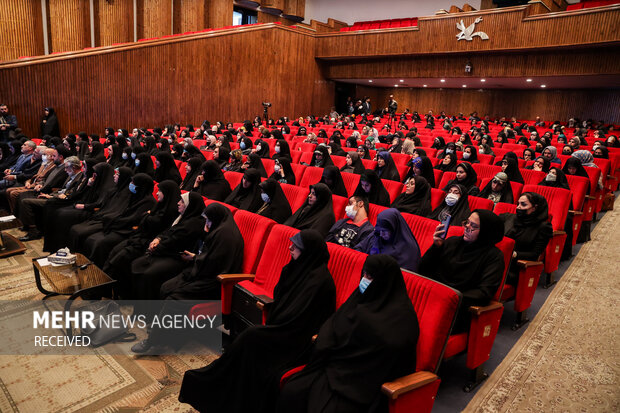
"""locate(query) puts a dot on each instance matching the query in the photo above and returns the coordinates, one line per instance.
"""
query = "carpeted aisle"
(568, 359)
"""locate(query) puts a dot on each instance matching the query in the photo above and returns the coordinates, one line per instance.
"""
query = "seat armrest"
(527, 264)
(234, 278)
(404, 384)
(571, 212)
(477, 310)
(262, 300)
(590, 197)
(557, 232)
(611, 177)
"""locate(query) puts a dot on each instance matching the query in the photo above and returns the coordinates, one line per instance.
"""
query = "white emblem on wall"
(467, 33)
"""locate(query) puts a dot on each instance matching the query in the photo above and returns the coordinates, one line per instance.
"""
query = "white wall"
(350, 11)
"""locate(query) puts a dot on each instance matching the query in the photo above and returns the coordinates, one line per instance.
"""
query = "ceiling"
(474, 82)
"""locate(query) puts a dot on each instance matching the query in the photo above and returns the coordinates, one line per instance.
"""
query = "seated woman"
(211, 183)
(421, 166)
(144, 165)
(416, 199)
(316, 213)
(283, 172)
(470, 263)
(455, 204)
(246, 377)
(321, 157)
(261, 148)
(530, 229)
(247, 194)
(332, 178)
(166, 168)
(275, 205)
(466, 175)
(282, 150)
(470, 154)
(540, 164)
(234, 162)
(192, 170)
(255, 162)
(392, 236)
(529, 154)
(370, 340)
(449, 149)
(161, 243)
(220, 253)
(386, 168)
(448, 163)
(371, 187)
(510, 167)
(498, 189)
(551, 153)
(98, 245)
(363, 152)
(354, 164)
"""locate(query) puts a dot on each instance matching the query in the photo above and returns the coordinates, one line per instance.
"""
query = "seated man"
(349, 231)
(26, 178)
(23, 165)
(33, 207)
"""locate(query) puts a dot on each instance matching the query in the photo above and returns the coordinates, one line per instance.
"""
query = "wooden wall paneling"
(336, 24)
(113, 22)
(154, 18)
(550, 105)
(219, 13)
(69, 25)
(586, 61)
(295, 8)
(20, 29)
(270, 18)
(224, 76)
(507, 28)
(190, 15)
(273, 4)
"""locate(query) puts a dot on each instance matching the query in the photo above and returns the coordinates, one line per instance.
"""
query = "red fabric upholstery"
(339, 161)
(517, 188)
(502, 207)
(345, 266)
(350, 181)
(486, 171)
(233, 178)
(369, 164)
(374, 210)
(268, 164)
(339, 203)
(475, 202)
(298, 170)
(210, 201)
(312, 175)
(438, 174)
(457, 343)
(401, 158)
(254, 230)
(532, 177)
(422, 229)
(445, 178)
(437, 196)
(296, 156)
(306, 157)
(394, 188)
(296, 195)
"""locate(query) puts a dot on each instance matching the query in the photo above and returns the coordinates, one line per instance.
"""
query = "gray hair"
(74, 162)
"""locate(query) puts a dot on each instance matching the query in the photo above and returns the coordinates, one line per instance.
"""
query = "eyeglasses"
(471, 225)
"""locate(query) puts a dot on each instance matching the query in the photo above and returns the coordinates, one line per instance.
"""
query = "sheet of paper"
(7, 218)
(43, 262)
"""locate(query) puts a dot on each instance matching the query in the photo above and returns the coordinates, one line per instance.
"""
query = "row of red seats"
(382, 24)
(586, 4)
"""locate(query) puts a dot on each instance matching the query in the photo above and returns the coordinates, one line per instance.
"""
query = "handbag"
(103, 334)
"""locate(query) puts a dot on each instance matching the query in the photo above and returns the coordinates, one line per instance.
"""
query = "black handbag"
(102, 333)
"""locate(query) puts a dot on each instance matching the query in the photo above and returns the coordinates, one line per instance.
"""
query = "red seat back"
(298, 170)
(475, 202)
(210, 201)
(312, 175)
(295, 195)
(345, 266)
(254, 230)
(306, 157)
(422, 229)
(578, 188)
(486, 171)
(339, 203)
(394, 188)
(558, 200)
(445, 178)
(532, 177)
(350, 181)
(438, 174)
(437, 197)
(233, 178)
(375, 210)
(502, 208)
(435, 305)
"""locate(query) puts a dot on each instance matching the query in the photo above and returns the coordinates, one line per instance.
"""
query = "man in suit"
(23, 165)
(8, 124)
(32, 208)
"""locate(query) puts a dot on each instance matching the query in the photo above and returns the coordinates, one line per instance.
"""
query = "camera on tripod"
(267, 104)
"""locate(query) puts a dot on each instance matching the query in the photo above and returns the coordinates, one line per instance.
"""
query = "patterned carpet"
(568, 359)
(96, 383)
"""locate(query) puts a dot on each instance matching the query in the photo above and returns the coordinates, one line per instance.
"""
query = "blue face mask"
(124, 156)
(264, 197)
(132, 188)
(364, 283)
(137, 162)
(242, 145)
(133, 155)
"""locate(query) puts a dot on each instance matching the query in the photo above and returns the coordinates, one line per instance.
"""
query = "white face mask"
(451, 199)
(481, 151)
(276, 168)
(277, 149)
(44, 159)
(551, 177)
(258, 147)
(466, 155)
(350, 211)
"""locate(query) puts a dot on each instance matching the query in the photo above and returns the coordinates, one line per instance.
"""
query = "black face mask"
(521, 213)
(57, 161)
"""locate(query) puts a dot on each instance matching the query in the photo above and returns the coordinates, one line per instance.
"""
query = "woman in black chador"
(370, 340)
(246, 377)
(247, 194)
(316, 213)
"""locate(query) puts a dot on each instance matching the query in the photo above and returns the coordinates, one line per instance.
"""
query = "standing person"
(49, 123)
(370, 340)
(392, 106)
(8, 124)
(246, 377)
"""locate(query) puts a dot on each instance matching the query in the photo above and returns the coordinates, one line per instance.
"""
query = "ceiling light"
(464, 85)
(442, 80)
(401, 80)
(424, 85)
(395, 85)
(483, 80)
(528, 80)
(543, 85)
(369, 80)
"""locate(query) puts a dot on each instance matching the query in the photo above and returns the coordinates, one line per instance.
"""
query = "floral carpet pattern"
(568, 360)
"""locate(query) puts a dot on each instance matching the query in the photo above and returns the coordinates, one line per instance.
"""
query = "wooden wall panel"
(113, 22)
(154, 18)
(508, 29)
(20, 29)
(295, 8)
(190, 15)
(550, 105)
(69, 25)
(219, 13)
(270, 18)
(590, 61)
(173, 80)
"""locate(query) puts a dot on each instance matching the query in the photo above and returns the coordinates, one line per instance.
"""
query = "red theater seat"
(254, 230)
(296, 195)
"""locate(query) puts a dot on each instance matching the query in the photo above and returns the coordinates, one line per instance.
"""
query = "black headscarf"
(438, 143)
(512, 169)
(223, 156)
(326, 159)
(357, 167)
(575, 163)
(470, 180)
(139, 203)
(255, 162)
(146, 165)
(115, 159)
(285, 151)
(336, 185)
(506, 193)
(451, 166)
(319, 216)
(50, 126)
(190, 177)
(263, 151)
(289, 175)
(419, 202)
(247, 198)
(97, 152)
(82, 151)
(214, 185)
(164, 212)
(366, 151)
(278, 207)
(101, 187)
(459, 211)
(378, 194)
(426, 169)
(167, 169)
(560, 179)
(473, 156)
(389, 171)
